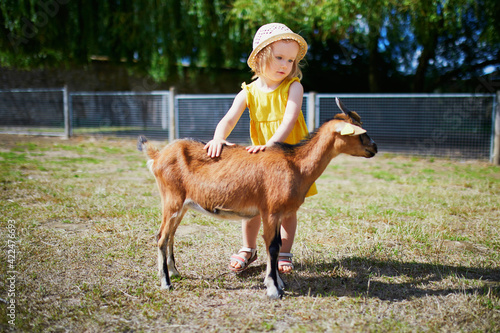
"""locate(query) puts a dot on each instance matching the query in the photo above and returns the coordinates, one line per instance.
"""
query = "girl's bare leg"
(288, 228)
(250, 230)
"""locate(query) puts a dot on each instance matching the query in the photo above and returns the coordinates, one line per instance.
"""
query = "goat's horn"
(341, 106)
(346, 111)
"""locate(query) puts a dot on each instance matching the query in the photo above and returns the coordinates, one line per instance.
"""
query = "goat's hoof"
(174, 273)
(281, 283)
(275, 294)
(165, 286)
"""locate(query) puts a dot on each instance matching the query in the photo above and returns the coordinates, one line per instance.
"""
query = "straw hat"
(270, 33)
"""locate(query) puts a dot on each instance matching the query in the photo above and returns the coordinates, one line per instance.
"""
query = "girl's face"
(283, 57)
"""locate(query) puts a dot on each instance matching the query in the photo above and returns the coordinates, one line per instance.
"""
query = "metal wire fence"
(451, 125)
(32, 111)
(446, 125)
(198, 115)
(120, 113)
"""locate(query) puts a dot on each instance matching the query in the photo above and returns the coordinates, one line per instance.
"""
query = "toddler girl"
(274, 100)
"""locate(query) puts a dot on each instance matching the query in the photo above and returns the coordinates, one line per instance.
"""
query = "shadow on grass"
(386, 280)
(390, 280)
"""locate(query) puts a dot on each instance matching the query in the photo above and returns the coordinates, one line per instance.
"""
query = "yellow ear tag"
(347, 130)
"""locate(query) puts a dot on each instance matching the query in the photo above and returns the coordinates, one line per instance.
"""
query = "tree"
(452, 37)
(428, 41)
(150, 35)
(355, 45)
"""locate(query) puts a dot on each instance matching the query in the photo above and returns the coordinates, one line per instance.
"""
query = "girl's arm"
(292, 111)
(226, 125)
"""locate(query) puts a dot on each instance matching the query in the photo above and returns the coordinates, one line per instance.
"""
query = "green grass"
(398, 244)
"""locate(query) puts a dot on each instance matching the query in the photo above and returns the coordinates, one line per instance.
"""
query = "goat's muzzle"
(371, 152)
(370, 146)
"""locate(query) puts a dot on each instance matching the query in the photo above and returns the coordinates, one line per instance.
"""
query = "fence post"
(311, 111)
(164, 111)
(171, 115)
(68, 132)
(496, 139)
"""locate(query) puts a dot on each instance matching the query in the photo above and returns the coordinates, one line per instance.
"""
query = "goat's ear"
(348, 129)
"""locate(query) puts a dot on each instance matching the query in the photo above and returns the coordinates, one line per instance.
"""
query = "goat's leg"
(170, 250)
(166, 262)
(272, 238)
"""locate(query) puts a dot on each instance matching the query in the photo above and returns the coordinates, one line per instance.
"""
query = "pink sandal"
(285, 262)
(244, 262)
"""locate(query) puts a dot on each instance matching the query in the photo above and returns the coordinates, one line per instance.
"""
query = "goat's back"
(235, 178)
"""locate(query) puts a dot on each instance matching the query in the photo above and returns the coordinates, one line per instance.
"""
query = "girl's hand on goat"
(255, 149)
(214, 147)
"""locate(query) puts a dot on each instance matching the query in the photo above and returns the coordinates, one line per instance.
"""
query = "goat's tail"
(150, 150)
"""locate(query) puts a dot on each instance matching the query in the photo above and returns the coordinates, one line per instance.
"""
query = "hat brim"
(252, 59)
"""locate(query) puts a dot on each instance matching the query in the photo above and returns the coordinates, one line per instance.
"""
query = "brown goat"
(239, 185)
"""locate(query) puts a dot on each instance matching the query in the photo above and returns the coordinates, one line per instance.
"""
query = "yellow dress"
(267, 110)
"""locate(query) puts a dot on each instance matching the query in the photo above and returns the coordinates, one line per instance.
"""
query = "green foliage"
(150, 35)
(370, 41)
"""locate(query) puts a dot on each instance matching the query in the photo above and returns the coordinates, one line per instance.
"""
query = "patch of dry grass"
(389, 244)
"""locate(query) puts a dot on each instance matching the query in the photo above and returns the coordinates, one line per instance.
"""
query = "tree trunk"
(428, 53)
(374, 60)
